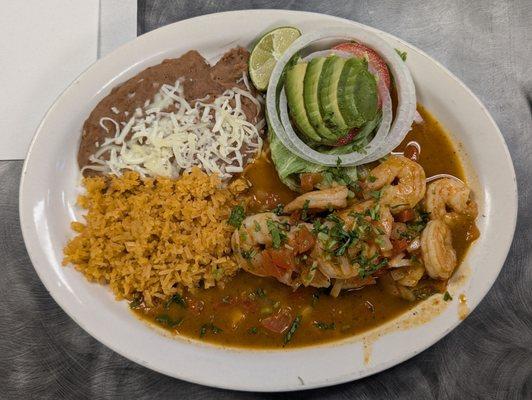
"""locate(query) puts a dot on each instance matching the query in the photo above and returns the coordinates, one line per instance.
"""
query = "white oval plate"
(49, 188)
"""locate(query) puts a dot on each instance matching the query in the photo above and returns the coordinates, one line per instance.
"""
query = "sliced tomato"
(303, 240)
(309, 180)
(405, 215)
(374, 59)
(279, 322)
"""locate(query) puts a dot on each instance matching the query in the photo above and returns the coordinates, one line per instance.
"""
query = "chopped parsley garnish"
(315, 297)
(279, 209)
(376, 194)
(257, 226)
(340, 238)
(402, 54)
(237, 216)
(372, 178)
(210, 327)
(318, 227)
(324, 326)
(136, 302)
(447, 296)
(253, 330)
(177, 299)
(304, 212)
(260, 292)
(164, 319)
(293, 328)
(368, 266)
(276, 232)
(248, 254)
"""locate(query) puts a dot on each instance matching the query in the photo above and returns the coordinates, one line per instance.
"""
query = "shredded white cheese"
(212, 136)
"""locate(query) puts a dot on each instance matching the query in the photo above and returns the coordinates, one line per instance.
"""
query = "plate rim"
(243, 387)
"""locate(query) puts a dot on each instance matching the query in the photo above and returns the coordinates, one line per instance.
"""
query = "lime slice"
(267, 51)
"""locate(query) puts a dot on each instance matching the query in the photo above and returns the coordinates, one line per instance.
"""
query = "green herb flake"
(402, 54)
(372, 178)
(210, 327)
(260, 292)
(279, 209)
(177, 299)
(237, 216)
(257, 227)
(135, 303)
(248, 254)
(253, 330)
(324, 326)
(304, 212)
(166, 320)
(447, 296)
(293, 328)
(277, 234)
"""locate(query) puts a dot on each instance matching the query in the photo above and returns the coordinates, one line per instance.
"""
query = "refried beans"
(199, 80)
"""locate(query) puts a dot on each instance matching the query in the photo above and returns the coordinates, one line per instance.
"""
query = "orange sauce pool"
(231, 315)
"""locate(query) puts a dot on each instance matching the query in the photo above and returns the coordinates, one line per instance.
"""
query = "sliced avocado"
(357, 93)
(310, 95)
(328, 95)
(346, 92)
(366, 96)
(294, 96)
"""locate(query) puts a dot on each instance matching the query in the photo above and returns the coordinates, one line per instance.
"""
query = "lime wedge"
(267, 51)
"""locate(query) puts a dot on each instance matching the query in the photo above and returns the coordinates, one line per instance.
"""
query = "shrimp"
(402, 182)
(448, 198)
(408, 276)
(382, 215)
(254, 250)
(437, 250)
(335, 197)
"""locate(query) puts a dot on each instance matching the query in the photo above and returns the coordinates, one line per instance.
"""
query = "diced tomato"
(374, 59)
(282, 258)
(399, 245)
(309, 180)
(279, 322)
(351, 135)
(405, 215)
(303, 240)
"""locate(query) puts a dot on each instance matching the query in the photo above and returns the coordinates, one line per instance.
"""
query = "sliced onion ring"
(400, 126)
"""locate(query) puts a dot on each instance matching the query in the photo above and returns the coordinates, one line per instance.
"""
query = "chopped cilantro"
(372, 178)
(324, 326)
(237, 216)
(257, 226)
(276, 232)
(402, 54)
(304, 212)
(253, 330)
(177, 299)
(164, 319)
(260, 292)
(376, 194)
(248, 254)
(209, 327)
(135, 303)
(293, 328)
(315, 297)
(447, 296)
(279, 209)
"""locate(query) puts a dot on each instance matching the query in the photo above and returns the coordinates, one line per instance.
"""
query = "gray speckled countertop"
(487, 44)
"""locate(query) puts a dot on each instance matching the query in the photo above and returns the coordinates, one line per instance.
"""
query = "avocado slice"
(294, 95)
(366, 95)
(310, 95)
(328, 95)
(346, 92)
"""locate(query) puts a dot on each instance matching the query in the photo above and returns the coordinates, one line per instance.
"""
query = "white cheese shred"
(212, 136)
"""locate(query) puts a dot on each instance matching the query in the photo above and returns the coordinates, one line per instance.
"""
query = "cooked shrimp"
(437, 250)
(448, 198)
(402, 182)
(335, 197)
(382, 215)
